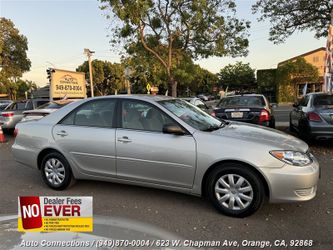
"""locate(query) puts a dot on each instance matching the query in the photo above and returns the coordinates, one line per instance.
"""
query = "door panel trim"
(158, 162)
(94, 155)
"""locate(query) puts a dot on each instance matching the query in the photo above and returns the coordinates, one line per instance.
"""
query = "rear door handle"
(124, 139)
(62, 133)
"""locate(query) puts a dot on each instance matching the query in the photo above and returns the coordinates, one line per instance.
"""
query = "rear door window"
(97, 113)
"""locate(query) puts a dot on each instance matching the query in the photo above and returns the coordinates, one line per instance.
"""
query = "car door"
(87, 136)
(146, 154)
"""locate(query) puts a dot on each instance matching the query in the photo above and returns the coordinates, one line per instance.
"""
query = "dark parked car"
(250, 108)
(4, 104)
(312, 116)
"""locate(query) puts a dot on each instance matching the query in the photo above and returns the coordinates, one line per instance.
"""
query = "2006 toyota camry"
(167, 143)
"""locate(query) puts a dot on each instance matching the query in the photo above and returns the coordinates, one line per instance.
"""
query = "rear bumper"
(291, 183)
(24, 155)
(7, 123)
(321, 130)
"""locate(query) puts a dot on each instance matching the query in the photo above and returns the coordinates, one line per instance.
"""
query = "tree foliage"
(292, 73)
(107, 77)
(286, 17)
(167, 28)
(191, 78)
(13, 51)
(238, 76)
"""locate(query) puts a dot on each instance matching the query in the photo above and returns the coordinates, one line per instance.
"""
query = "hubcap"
(54, 171)
(233, 192)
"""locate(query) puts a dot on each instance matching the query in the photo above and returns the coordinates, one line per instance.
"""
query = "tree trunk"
(172, 85)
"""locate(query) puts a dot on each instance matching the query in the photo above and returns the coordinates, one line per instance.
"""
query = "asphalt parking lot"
(187, 216)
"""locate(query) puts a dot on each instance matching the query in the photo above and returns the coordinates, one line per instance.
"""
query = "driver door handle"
(62, 133)
(124, 139)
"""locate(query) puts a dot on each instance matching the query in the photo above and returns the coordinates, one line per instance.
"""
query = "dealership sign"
(55, 214)
(68, 84)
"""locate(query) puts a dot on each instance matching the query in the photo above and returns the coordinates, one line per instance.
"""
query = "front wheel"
(235, 190)
(56, 172)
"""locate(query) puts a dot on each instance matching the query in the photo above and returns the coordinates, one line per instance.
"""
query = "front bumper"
(291, 183)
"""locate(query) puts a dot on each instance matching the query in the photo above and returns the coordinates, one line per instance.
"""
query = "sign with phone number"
(68, 84)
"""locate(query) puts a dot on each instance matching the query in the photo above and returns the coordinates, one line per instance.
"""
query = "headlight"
(292, 157)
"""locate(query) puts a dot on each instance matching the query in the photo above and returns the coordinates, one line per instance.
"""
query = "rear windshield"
(244, 101)
(323, 100)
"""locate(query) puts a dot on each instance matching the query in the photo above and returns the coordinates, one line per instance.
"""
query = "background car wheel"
(235, 190)
(56, 172)
(291, 127)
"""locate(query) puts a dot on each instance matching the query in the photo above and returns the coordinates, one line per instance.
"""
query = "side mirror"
(274, 105)
(173, 129)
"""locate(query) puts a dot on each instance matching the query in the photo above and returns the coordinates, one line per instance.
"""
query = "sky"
(59, 30)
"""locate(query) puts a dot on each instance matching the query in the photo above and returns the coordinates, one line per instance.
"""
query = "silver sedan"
(167, 143)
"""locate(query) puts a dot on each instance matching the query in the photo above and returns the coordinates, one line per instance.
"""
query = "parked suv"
(13, 113)
(250, 108)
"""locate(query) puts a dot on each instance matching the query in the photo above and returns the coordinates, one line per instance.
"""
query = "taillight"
(213, 113)
(7, 114)
(264, 116)
(314, 117)
(15, 132)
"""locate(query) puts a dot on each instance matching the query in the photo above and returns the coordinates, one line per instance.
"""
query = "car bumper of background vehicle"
(7, 123)
(321, 130)
(292, 183)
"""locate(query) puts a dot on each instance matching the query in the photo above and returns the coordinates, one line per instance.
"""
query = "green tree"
(162, 27)
(286, 17)
(107, 77)
(266, 83)
(238, 76)
(292, 73)
(13, 51)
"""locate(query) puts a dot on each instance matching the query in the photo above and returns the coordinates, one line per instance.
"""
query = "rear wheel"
(235, 190)
(56, 172)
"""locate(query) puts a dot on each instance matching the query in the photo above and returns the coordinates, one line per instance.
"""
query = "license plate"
(236, 114)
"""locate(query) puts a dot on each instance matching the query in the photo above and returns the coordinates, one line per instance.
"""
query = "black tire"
(68, 177)
(236, 169)
(291, 126)
(272, 123)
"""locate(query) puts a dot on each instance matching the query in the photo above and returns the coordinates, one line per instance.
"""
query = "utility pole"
(89, 53)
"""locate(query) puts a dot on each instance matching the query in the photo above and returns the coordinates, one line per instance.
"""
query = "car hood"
(263, 135)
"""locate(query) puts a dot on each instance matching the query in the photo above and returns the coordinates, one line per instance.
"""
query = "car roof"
(319, 93)
(259, 95)
(137, 97)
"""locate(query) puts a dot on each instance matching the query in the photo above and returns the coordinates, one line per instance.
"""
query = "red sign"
(31, 212)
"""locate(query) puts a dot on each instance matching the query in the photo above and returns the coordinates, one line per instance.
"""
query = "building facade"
(316, 58)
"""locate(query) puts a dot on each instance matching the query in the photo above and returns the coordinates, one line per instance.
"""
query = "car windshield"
(243, 101)
(323, 100)
(192, 115)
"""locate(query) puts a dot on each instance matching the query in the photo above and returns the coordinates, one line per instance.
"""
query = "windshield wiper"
(212, 128)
